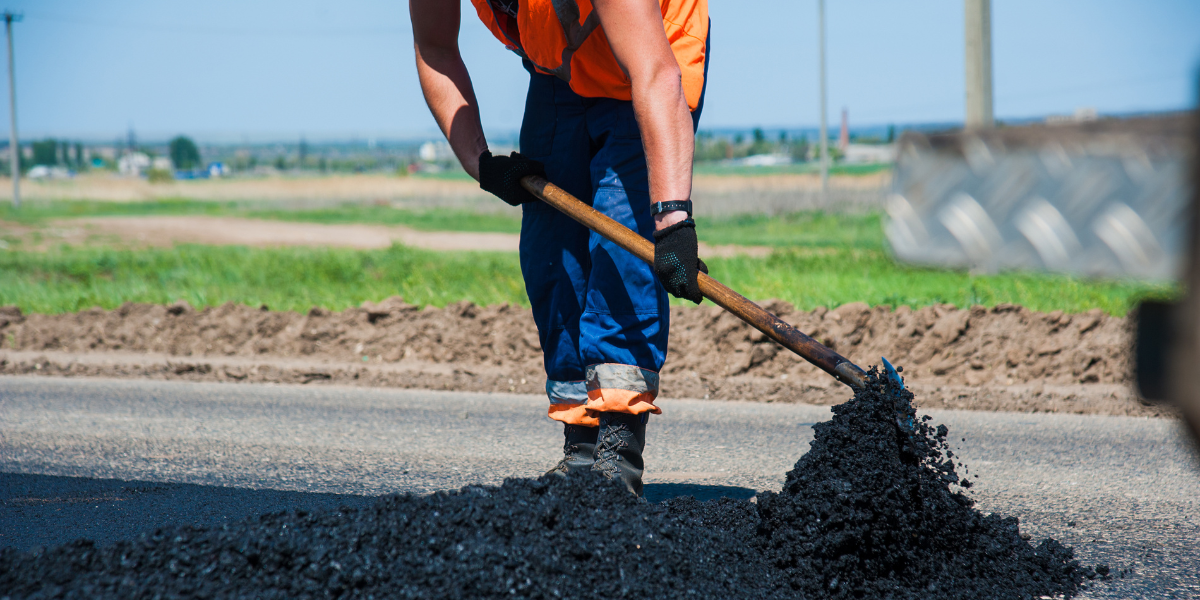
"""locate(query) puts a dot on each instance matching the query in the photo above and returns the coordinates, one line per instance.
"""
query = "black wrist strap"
(670, 205)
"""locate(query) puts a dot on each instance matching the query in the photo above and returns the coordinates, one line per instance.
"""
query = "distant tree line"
(184, 153)
(710, 147)
(57, 153)
(714, 148)
(321, 164)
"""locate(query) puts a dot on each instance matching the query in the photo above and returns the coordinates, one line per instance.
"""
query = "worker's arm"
(447, 88)
(444, 78)
(635, 32)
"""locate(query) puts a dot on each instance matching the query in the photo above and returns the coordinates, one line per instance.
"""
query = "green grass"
(800, 229)
(37, 211)
(426, 220)
(821, 260)
(809, 278)
(70, 279)
(450, 174)
(807, 230)
(33, 213)
(716, 168)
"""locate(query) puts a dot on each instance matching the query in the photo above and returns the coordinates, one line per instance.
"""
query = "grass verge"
(69, 279)
(36, 213)
(800, 229)
(727, 168)
(812, 277)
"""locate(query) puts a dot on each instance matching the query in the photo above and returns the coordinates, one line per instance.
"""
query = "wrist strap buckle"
(670, 205)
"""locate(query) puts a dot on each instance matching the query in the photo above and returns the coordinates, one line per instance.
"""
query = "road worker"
(615, 93)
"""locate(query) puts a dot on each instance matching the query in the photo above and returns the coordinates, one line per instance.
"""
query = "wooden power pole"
(979, 63)
(824, 112)
(14, 146)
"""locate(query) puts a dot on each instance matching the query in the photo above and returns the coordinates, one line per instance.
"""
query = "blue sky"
(225, 70)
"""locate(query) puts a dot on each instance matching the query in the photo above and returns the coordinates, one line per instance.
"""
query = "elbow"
(434, 52)
(660, 78)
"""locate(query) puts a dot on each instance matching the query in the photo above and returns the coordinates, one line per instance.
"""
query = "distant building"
(869, 153)
(162, 163)
(764, 160)
(105, 152)
(48, 172)
(133, 164)
(1080, 115)
(435, 151)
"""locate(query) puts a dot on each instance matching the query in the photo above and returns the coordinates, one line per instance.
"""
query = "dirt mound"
(1003, 344)
(495, 348)
(388, 332)
(869, 511)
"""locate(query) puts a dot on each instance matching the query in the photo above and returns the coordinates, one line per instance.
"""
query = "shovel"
(773, 327)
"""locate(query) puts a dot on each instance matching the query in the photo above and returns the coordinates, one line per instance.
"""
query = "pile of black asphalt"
(875, 509)
(578, 537)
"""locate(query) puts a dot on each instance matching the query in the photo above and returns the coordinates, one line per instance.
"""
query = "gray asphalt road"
(1121, 490)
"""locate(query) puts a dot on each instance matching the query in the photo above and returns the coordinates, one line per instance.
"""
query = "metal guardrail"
(1106, 198)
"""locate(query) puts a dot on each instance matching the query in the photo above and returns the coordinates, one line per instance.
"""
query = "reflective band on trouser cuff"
(621, 388)
(568, 401)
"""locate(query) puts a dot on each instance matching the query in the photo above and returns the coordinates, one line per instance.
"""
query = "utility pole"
(824, 125)
(14, 146)
(979, 63)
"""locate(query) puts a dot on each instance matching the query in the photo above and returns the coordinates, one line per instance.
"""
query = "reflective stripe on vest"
(564, 38)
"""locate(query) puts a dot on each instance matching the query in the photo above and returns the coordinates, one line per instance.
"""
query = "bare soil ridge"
(1001, 358)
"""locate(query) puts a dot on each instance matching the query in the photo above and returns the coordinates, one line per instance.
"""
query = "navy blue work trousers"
(602, 316)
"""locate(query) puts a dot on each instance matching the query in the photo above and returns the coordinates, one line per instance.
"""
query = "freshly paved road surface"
(1125, 491)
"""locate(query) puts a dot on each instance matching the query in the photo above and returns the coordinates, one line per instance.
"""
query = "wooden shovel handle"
(775, 328)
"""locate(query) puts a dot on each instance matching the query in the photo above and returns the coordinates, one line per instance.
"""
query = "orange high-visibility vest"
(564, 38)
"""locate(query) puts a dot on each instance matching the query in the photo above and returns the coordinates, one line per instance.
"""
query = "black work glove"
(501, 175)
(676, 262)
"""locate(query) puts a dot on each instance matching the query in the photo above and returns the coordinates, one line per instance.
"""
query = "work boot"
(578, 448)
(619, 448)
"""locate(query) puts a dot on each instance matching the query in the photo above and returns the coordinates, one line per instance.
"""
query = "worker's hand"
(501, 175)
(676, 262)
